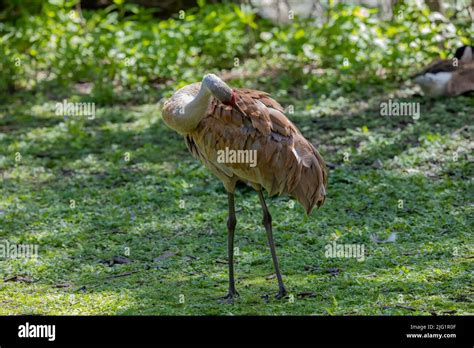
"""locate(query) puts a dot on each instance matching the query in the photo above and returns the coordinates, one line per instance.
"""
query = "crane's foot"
(281, 294)
(229, 298)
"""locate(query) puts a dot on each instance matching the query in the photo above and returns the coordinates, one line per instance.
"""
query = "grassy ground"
(74, 193)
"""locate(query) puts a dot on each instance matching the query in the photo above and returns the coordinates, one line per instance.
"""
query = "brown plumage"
(449, 77)
(462, 81)
(286, 162)
(245, 119)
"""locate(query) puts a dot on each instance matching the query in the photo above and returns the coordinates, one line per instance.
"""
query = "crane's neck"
(188, 106)
(186, 109)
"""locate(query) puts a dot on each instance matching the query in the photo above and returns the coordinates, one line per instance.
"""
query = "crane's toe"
(281, 294)
(229, 298)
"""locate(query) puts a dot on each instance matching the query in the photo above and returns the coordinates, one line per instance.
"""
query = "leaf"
(57, 2)
(299, 34)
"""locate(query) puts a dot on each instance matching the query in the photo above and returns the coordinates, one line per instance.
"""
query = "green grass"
(135, 209)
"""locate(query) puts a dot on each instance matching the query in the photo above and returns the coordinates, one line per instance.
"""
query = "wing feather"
(286, 162)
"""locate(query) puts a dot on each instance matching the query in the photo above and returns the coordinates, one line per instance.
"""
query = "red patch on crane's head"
(232, 100)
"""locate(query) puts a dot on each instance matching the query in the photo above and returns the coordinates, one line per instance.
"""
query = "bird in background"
(449, 77)
(214, 117)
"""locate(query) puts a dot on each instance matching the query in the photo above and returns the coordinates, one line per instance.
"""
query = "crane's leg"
(267, 222)
(231, 222)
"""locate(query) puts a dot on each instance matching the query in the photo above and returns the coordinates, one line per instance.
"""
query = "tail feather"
(311, 188)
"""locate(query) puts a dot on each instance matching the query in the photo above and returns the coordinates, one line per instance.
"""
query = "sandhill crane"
(449, 77)
(214, 118)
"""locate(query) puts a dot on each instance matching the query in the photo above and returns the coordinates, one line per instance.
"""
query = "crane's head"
(465, 54)
(219, 89)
